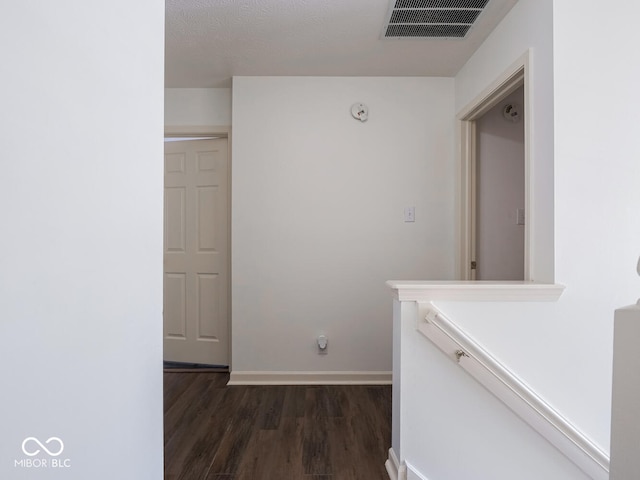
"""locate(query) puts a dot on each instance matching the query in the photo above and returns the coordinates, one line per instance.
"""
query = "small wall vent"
(432, 18)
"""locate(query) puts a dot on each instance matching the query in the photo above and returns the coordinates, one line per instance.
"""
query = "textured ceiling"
(209, 41)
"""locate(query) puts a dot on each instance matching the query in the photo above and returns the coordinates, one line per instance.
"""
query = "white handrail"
(520, 398)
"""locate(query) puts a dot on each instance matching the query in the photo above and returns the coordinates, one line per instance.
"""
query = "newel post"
(625, 404)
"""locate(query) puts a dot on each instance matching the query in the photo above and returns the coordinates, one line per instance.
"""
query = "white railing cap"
(475, 291)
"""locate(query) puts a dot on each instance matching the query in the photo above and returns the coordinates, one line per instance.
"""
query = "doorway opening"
(494, 209)
(196, 272)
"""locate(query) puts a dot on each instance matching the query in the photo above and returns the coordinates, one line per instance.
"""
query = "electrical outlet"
(323, 343)
(409, 214)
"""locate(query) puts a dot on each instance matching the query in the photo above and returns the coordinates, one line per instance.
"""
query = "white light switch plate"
(520, 216)
(409, 214)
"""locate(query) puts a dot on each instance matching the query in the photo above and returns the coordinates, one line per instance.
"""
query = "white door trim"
(518, 74)
(196, 131)
(214, 131)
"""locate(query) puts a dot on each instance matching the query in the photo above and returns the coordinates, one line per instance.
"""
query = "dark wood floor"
(215, 432)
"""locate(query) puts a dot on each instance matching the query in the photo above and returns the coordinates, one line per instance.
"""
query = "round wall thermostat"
(360, 111)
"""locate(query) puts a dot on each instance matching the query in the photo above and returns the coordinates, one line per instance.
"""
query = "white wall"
(317, 220)
(500, 193)
(81, 261)
(596, 187)
(564, 350)
(526, 27)
(452, 428)
(197, 107)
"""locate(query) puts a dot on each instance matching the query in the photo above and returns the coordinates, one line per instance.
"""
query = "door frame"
(223, 132)
(517, 75)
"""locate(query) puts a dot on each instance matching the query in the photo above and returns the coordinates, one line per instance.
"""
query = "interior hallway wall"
(526, 28)
(197, 107)
(597, 173)
(317, 219)
(81, 249)
(564, 350)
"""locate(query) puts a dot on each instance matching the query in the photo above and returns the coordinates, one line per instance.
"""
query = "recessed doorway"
(494, 133)
(499, 201)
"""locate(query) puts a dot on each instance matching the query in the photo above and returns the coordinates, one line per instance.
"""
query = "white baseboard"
(310, 378)
(394, 469)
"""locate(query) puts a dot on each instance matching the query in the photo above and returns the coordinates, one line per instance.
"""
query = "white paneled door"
(196, 258)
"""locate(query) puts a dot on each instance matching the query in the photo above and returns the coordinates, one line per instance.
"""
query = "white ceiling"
(209, 41)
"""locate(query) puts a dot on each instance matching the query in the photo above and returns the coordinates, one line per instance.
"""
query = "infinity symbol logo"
(37, 451)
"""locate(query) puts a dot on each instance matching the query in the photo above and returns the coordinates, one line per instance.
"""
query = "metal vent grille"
(432, 18)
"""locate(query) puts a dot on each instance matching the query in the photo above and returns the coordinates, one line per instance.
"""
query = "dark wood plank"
(315, 447)
(274, 454)
(184, 444)
(343, 449)
(294, 401)
(381, 398)
(195, 459)
(233, 445)
(271, 403)
(327, 401)
(185, 407)
(174, 387)
(215, 432)
(371, 430)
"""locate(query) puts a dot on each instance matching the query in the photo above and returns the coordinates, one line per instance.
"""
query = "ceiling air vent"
(432, 18)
